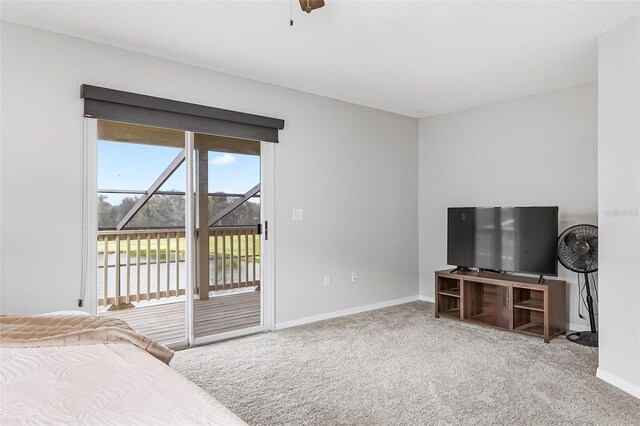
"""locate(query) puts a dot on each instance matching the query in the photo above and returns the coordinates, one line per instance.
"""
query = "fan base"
(584, 338)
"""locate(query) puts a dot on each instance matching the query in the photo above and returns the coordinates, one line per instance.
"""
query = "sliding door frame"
(267, 252)
(190, 236)
(89, 270)
(268, 246)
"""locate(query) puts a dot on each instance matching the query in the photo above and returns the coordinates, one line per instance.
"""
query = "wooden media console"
(507, 302)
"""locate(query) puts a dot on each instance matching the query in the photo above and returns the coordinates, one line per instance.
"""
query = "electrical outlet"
(327, 280)
(354, 277)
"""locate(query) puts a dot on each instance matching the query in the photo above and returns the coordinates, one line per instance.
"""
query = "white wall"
(352, 169)
(539, 150)
(619, 204)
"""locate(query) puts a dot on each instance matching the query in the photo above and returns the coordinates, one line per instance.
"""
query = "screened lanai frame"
(141, 135)
(88, 291)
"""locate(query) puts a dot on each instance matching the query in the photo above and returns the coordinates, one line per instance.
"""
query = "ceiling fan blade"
(309, 5)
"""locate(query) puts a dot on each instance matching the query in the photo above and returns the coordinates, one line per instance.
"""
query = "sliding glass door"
(179, 232)
(141, 228)
(228, 297)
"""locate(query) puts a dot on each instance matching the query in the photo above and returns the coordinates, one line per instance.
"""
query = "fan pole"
(592, 316)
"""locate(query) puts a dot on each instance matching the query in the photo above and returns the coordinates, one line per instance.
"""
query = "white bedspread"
(102, 384)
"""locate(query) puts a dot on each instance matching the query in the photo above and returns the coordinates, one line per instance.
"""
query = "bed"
(69, 369)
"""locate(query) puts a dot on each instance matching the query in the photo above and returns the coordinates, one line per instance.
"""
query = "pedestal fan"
(578, 252)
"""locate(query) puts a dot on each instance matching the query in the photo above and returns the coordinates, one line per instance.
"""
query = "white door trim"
(89, 269)
(268, 246)
(190, 245)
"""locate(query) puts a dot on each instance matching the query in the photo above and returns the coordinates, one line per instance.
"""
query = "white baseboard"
(618, 382)
(578, 327)
(343, 312)
(427, 299)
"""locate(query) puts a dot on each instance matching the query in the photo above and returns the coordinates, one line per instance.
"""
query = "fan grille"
(578, 248)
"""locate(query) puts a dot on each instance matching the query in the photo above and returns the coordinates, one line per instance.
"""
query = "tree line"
(165, 211)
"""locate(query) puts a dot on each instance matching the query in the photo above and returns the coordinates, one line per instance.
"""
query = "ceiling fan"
(309, 5)
(306, 6)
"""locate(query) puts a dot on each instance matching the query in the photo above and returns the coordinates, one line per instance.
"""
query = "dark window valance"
(116, 105)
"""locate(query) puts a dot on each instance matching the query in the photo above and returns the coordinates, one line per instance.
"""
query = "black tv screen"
(510, 239)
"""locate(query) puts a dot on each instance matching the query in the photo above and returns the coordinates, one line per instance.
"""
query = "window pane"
(233, 173)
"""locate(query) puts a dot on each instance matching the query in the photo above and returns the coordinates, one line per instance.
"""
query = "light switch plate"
(298, 215)
(327, 280)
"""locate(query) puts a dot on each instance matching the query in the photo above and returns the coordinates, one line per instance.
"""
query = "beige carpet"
(401, 366)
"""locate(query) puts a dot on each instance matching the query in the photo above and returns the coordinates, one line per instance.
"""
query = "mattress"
(100, 384)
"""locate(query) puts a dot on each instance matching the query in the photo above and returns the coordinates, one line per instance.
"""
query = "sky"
(137, 166)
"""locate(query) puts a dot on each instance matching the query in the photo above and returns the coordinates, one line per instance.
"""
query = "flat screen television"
(508, 239)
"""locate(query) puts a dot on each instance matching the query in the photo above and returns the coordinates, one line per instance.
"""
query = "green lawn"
(153, 247)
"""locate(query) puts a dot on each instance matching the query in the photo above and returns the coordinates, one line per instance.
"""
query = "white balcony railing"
(144, 265)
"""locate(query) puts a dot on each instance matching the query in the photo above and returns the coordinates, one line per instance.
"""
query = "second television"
(509, 239)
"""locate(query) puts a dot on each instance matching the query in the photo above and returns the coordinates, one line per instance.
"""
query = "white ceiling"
(413, 58)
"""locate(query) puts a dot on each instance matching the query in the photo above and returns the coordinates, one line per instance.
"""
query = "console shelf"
(454, 292)
(451, 313)
(532, 328)
(485, 319)
(533, 305)
(508, 302)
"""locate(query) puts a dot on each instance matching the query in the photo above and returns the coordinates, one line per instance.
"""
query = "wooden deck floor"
(166, 323)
